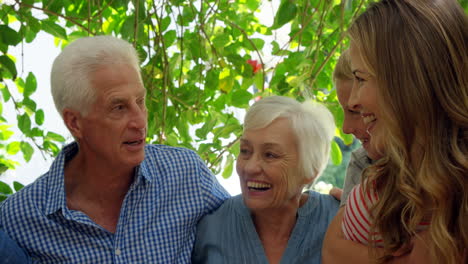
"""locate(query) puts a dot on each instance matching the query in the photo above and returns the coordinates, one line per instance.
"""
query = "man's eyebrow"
(117, 100)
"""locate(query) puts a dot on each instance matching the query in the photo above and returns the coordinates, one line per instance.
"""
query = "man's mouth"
(134, 143)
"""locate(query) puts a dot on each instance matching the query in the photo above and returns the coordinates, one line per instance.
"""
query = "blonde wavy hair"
(342, 69)
(417, 52)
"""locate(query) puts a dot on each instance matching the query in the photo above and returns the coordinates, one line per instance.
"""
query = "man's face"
(114, 130)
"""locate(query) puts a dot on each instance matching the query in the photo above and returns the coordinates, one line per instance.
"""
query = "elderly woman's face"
(268, 166)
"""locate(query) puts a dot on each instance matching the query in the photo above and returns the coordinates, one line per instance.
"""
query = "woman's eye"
(358, 79)
(271, 155)
(244, 151)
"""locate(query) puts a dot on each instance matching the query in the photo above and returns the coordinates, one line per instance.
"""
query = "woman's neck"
(274, 227)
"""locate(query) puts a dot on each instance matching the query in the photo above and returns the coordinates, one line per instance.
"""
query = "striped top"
(357, 222)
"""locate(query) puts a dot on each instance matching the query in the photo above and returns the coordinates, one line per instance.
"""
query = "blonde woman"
(409, 59)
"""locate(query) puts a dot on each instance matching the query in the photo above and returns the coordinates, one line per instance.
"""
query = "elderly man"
(109, 197)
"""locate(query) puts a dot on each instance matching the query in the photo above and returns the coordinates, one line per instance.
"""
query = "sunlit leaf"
(27, 150)
(336, 155)
(228, 167)
(31, 84)
(9, 65)
(54, 29)
(55, 137)
(17, 186)
(286, 12)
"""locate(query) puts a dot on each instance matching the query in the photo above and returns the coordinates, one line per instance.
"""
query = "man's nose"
(139, 117)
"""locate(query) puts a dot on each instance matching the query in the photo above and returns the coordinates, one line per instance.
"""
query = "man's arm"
(213, 192)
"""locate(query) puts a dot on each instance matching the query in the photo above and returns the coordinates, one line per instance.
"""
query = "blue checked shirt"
(172, 190)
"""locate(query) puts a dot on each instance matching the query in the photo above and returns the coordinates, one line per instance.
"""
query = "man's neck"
(97, 189)
(96, 180)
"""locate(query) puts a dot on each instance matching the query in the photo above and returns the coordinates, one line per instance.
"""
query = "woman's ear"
(308, 180)
(72, 120)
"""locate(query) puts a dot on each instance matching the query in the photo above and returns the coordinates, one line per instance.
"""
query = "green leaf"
(20, 85)
(348, 139)
(36, 132)
(39, 117)
(54, 29)
(241, 98)
(27, 150)
(17, 186)
(52, 147)
(55, 137)
(24, 123)
(221, 40)
(227, 172)
(3, 168)
(5, 93)
(13, 147)
(169, 37)
(5, 188)
(9, 36)
(165, 22)
(259, 43)
(286, 12)
(30, 104)
(31, 85)
(336, 155)
(9, 65)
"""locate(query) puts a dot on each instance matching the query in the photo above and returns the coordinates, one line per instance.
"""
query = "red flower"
(255, 65)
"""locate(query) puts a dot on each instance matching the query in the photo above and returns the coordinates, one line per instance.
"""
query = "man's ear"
(73, 121)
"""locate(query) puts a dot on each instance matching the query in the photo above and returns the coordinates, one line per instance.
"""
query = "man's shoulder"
(29, 196)
(164, 151)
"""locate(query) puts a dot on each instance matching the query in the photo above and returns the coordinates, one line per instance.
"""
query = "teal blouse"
(228, 235)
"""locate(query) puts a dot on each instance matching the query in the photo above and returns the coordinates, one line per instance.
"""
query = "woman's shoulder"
(233, 205)
(321, 199)
(319, 204)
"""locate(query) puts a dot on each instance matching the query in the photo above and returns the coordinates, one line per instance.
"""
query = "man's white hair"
(311, 122)
(71, 72)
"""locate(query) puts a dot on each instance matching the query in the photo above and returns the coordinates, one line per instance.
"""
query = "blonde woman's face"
(352, 121)
(364, 93)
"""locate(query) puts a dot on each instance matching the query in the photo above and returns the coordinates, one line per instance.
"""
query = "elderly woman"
(284, 148)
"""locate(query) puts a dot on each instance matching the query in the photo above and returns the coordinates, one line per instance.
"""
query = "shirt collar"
(56, 180)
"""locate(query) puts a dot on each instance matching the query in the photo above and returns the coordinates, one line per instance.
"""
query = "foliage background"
(202, 61)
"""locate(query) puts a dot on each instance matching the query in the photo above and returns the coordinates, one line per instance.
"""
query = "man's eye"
(119, 107)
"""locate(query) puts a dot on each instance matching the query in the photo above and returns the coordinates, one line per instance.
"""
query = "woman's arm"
(336, 249)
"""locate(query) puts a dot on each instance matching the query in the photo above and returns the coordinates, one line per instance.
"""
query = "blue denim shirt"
(10, 252)
(229, 236)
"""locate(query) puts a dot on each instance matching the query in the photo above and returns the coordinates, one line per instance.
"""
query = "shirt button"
(118, 252)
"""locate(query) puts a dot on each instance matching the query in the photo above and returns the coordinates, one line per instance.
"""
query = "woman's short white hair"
(311, 122)
(70, 77)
